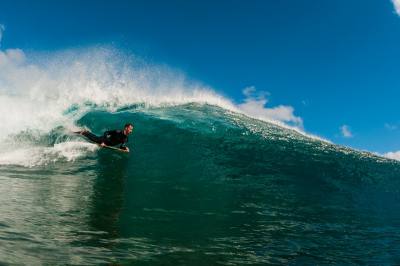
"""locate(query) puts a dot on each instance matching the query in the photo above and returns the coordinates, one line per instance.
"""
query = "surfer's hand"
(102, 144)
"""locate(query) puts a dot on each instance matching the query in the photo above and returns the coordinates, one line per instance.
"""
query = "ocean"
(202, 185)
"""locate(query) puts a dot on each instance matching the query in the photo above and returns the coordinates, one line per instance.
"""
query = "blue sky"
(336, 63)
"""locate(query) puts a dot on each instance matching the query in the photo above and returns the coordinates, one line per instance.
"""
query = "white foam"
(30, 155)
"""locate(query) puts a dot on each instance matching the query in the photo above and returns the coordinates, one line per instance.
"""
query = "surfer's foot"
(81, 132)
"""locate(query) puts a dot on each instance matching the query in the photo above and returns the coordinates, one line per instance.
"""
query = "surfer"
(111, 137)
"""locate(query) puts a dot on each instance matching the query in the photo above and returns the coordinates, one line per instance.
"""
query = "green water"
(201, 186)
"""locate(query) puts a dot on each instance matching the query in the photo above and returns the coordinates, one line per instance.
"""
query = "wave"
(267, 192)
(44, 96)
(39, 92)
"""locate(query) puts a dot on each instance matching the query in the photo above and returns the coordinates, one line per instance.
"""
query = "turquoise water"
(201, 186)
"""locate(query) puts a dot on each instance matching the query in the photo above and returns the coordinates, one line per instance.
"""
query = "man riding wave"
(111, 137)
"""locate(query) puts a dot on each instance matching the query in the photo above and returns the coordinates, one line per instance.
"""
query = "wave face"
(203, 184)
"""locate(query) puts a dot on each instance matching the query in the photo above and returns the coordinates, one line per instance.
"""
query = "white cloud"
(393, 155)
(390, 126)
(346, 131)
(2, 28)
(254, 105)
(11, 57)
(396, 4)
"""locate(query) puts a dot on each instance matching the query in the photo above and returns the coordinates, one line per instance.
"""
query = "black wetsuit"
(110, 138)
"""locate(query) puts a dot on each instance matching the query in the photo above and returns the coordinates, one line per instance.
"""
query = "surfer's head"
(128, 128)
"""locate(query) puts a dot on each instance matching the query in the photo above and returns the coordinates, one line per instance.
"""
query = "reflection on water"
(115, 209)
(108, 195)
(42, 213)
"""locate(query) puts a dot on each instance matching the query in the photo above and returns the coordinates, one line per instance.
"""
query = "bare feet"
(81, 132)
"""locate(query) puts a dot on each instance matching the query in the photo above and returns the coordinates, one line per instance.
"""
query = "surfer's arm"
(124, 148)
(123, 145)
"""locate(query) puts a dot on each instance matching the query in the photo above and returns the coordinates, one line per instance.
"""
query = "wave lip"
(40, 88)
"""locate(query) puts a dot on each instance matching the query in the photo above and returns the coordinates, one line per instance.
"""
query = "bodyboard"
(107, 147)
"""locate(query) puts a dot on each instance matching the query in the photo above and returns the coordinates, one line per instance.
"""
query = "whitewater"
(206, 182)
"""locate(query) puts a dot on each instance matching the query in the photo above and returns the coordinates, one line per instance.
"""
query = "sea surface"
(201, 186)
(205, 183)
